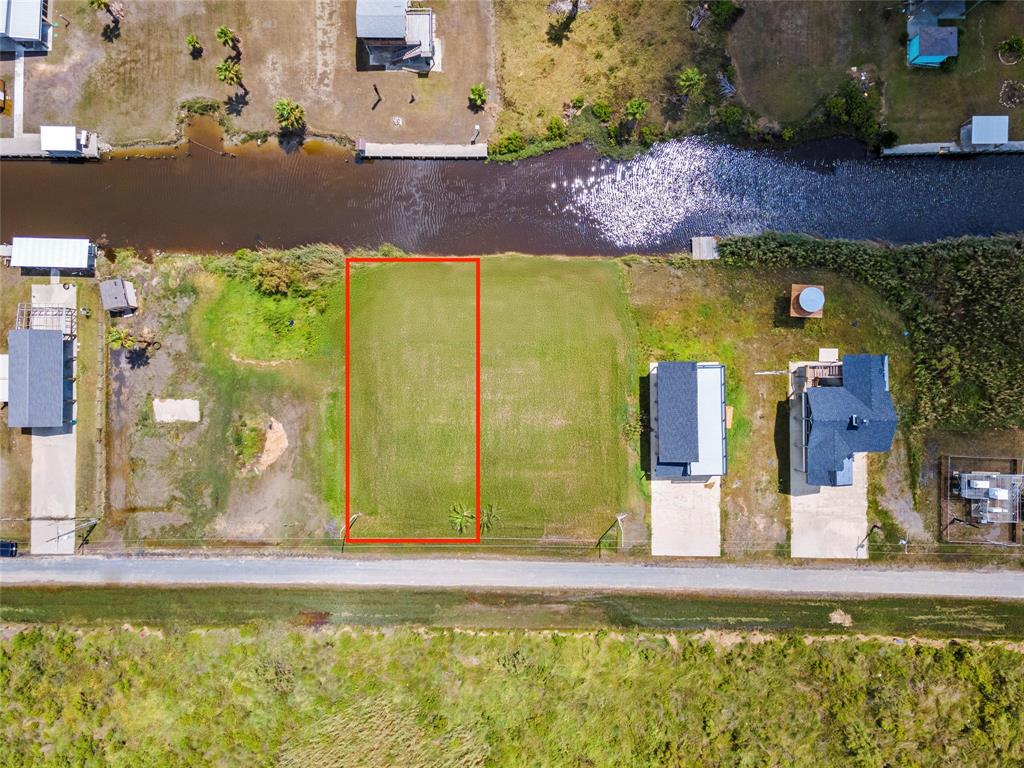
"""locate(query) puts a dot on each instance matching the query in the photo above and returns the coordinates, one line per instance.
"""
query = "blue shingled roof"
(36, 372)
(677, 412)
(854, 418)
(937, 41)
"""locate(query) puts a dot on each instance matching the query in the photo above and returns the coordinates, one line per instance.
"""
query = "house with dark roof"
(846, 409)
(394, 36)
(37, 387)
(688, 420)
(929, 43)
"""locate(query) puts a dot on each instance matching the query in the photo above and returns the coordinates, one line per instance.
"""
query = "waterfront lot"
(697, 311)
(557, 359)
(612, 50)
(129, 89)
(555, 364)
(812, 44)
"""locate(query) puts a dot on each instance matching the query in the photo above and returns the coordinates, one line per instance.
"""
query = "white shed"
(990, 129)
(51, 253)
(58, 138)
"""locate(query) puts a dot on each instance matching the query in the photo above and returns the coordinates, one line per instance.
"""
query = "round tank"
(811, 299)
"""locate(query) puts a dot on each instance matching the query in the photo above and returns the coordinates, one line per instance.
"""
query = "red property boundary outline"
(349, 539)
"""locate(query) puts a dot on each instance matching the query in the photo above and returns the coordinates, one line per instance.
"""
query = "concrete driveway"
(686, 518)
(825, 522)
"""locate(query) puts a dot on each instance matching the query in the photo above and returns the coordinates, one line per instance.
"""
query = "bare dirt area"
(180, 484)
(126, 81)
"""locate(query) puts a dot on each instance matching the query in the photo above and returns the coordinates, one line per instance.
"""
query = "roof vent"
(857, 421)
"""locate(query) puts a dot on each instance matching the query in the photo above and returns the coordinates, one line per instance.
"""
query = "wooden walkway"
(29, 146)
(374, 151)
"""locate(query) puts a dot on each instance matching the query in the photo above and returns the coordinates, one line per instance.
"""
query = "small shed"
(990, 130)
(52, 253)
(58, 139)
(118, 295)
(36, 372)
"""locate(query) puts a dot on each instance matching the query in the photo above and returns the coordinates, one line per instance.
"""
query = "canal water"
(569, 201)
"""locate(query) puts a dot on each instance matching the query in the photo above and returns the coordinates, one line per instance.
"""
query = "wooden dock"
(29, 146)
(374, 151)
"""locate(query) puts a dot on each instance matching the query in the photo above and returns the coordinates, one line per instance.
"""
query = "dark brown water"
(565, 202)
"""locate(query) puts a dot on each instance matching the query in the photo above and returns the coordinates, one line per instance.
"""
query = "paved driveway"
(686, 518)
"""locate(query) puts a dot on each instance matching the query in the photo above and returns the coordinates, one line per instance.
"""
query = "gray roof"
(114, 295)
(376, 19)
(938, 41)
(677, 412)
(855, 418)
(36, 387)
(22, 19)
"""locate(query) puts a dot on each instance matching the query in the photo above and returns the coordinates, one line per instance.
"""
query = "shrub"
(477, 96)
(201, 106)
(509, 144)
(725, 13)
(690, 82)
(248, 438)
(273, 275)
(557, 129)
(649, 134)
(1012, 46)
(290, 116)
(636, 108)
(602, 110)
(949, 64)
(731, 117)
(577, 101)
(788, 134)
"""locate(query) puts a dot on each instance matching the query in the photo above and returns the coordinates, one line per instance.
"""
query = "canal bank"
(571, 201)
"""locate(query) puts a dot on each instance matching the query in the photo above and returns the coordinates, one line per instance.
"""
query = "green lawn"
(556, 366)
(118, 695)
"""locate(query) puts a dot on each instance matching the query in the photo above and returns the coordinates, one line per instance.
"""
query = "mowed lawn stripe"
(412, 396)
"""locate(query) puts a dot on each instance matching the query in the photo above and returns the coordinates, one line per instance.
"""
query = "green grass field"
(354, 697)
(556, 364)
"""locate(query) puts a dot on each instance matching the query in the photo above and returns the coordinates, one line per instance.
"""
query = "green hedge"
(962, 300)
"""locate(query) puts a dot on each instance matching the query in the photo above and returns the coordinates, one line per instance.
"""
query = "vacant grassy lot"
(419, 697)
(556, 368)
(695, 311)
(790, 55)
(413, 402)
(614, 50)
(129, 88)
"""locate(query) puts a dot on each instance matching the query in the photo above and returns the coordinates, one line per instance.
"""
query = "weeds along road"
(508, 574)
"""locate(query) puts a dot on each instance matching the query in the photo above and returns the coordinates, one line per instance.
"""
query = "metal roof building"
(24, 22)
(380, 19)
(990, 129)
(855, 417)
(118, 295)
(690, 404)
(52, 253)
(36, 378)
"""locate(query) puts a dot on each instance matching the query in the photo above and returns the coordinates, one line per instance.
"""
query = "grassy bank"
(218, 607)
(414, 697)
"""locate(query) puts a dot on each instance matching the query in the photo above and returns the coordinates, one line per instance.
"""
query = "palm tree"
(120, 338)
(491, 516)
(477, 97)
(461, 517)
(193, 43)
(690, 82)
(290, 116)
(229, 71)
(226, 36)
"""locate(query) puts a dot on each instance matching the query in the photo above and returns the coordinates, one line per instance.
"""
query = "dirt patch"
(274, 444)
(840, 617)
(897, 496)
(129, 88)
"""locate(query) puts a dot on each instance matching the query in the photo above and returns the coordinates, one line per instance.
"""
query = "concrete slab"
(686, 518)
(176, 410)
(54, 460)
(825, 522)
(53, 537)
